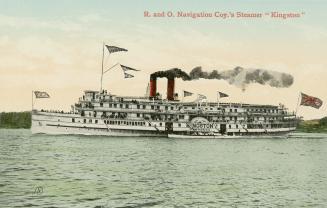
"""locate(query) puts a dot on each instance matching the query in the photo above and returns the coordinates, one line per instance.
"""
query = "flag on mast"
(127, 68)
(201, 97)
(128, 75)
(186, 93)
(113, 49)
(222, 95)
(39, 94)
(311, 101)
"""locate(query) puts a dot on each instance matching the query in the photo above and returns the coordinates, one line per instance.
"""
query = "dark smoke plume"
(241, 77)
(171, 73)
(238, 76)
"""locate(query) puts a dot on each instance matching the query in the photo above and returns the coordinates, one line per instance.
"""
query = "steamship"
(102, 113)
(99, 112)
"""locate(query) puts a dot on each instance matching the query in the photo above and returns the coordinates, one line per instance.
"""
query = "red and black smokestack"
(153, 86)
(170, 74)
(170, 88)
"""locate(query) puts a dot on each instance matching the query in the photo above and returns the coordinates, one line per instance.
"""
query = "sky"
(56, 46)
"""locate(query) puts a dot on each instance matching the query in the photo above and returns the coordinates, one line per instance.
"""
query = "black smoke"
(242, 77)
(238, 76)
(171, 74)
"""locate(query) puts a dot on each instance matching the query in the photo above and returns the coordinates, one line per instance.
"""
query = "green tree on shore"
(14, 120)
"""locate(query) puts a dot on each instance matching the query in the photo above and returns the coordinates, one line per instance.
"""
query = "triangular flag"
(186, 93)
(221, 94)
(127, 68)
(128, 75)
(113, 49)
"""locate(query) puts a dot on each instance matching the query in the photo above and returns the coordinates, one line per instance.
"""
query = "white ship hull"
(183, 136)
(61, 130)
(61, 124)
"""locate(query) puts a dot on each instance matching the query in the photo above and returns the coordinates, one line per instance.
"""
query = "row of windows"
(138, 106)
(131, 123)
(115, 105)
(85, 120)
(262, 110)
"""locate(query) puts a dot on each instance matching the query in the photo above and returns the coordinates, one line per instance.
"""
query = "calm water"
(80, 171)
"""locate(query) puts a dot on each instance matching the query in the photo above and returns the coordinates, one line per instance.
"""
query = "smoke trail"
(238, 76)
(171, 73)
(242, 77)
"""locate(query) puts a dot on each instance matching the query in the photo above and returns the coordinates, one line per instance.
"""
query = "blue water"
(103, 172)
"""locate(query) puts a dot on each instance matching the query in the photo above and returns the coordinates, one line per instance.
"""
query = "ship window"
(152, 107)
(137, 115)
(96, 121)
(193, 107)
(230, 126)
(160, 124)
(115, 105)
(179, 125)
(235, 110)
(230, 110)
(90, 121)
(138, 106)
(73, 120)
(121, 105)
(236, 126)
(126, 106)
(101, 104)
(143, 106)
(181, 116)
(84, 120)
(158, 107)
(171, 108)
(110, 105)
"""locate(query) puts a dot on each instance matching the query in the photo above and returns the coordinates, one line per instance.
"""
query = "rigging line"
(110, 68)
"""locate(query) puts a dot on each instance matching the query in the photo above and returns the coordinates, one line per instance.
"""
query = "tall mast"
(102, 66)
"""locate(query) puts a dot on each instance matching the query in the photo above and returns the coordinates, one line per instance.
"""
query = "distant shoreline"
(15, 120)
(313, 126)
(22, 120)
